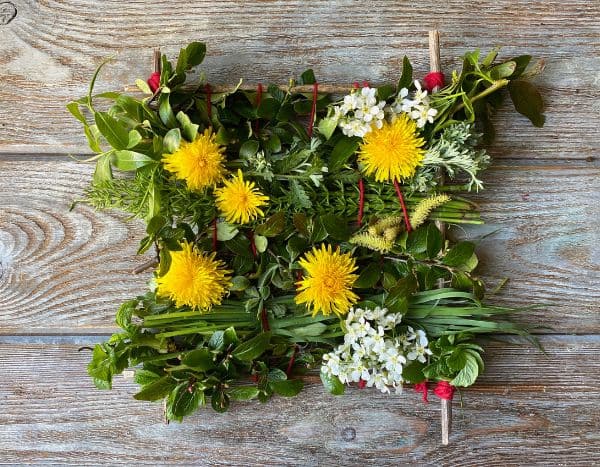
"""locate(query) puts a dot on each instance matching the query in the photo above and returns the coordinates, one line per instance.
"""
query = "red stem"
(214, 237)
(313, 109)
(252, 244)
(208, 91)
(259, 93)
(290, 366)
(404, 211)
(264, 320)
(361, 200)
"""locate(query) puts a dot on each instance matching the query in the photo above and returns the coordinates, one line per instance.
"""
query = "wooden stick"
(303, 89)
(156, 59)
(434, 65)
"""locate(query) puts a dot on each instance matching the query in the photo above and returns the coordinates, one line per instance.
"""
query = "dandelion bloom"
(194, 279)
(239, 201)
(327, 286)
(199, 163)
(392, 152)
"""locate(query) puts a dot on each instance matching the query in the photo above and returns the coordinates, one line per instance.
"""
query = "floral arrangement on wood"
(300, 228)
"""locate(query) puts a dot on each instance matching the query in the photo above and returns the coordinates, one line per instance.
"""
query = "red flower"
(154, 81)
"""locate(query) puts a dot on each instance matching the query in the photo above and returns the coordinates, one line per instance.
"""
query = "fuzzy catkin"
(424, 208)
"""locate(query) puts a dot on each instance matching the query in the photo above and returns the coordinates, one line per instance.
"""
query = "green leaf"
(434, 241)
(522, 62)
(249, 148)
(287, 388)
(190, 130)
(130, 160)
(114, 131)
(226, 231)
(267, 108)
(239, 283)
(397, 298)
(327, 126)
(342, 151)
(134, 139)
(299, 196)
(219, 401)
(243, 393)
(273, 144)
(172, 140)
(143, 86)
(527, 101)
(406, 77)
(103, 171)
(385, 91)
(240, 245)
(503, 70)
(145, 377)
(468, 375)
(336, 227)
(413, 372)
(295, 247)
(273, 226)
(182, 402)
(459, 254)
(308, 77)
(199, 359)
(165, 111)
(156, 390)
(93, 137)
(73, 107)
(261, 243)
(195, 53)
(253, 348)
(369, 276)
(332, 384)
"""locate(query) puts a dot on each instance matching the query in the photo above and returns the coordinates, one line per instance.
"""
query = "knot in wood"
(349, 434)
(8, 11)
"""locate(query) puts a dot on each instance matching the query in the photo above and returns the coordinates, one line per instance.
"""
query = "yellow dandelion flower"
(195, 279)
(392, 152)
(327, 286)
(240, 201)
(199, 163)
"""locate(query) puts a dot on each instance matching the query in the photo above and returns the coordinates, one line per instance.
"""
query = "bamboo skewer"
(434, 65)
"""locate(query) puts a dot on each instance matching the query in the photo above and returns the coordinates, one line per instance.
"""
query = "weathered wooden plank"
(545, 405)
(49, 50)
(63, 271)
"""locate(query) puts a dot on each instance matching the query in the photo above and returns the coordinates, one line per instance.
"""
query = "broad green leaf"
(195, 53)
(164, 109)
(199, 359)
(226, 231)
(267, 108)
(260, 243)
(243, 393)
(239, 283)
(130, 160)
(253, 348)
(406, 77)
(172, 140)
(134, 139)
(143, 86)
(308, 77)
(341, 153)
(369, 276)
(336, 227)
(73, 107)
(249, 148)
(190, 130)
(327, 126)
(182, 402)
(332, 384)
(93, 137)
(103, 170)
(156, 390)
(287, 388)
(219, 401)
(114, 131)
(273, 226)
(527, 101)
(503, 70)
(468, 375)
(459, 254)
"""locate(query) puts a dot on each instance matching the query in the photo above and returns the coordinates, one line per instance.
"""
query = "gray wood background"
(61, 277)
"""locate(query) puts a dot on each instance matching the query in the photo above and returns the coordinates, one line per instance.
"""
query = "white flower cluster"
(359, 112)
(416, 106)
(371, 351)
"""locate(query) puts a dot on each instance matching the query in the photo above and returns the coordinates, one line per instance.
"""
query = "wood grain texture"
(513, 416)
(50, 49)
(63, 271)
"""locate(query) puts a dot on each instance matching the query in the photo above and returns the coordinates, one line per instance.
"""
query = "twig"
(152, 263)
(434, 65)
